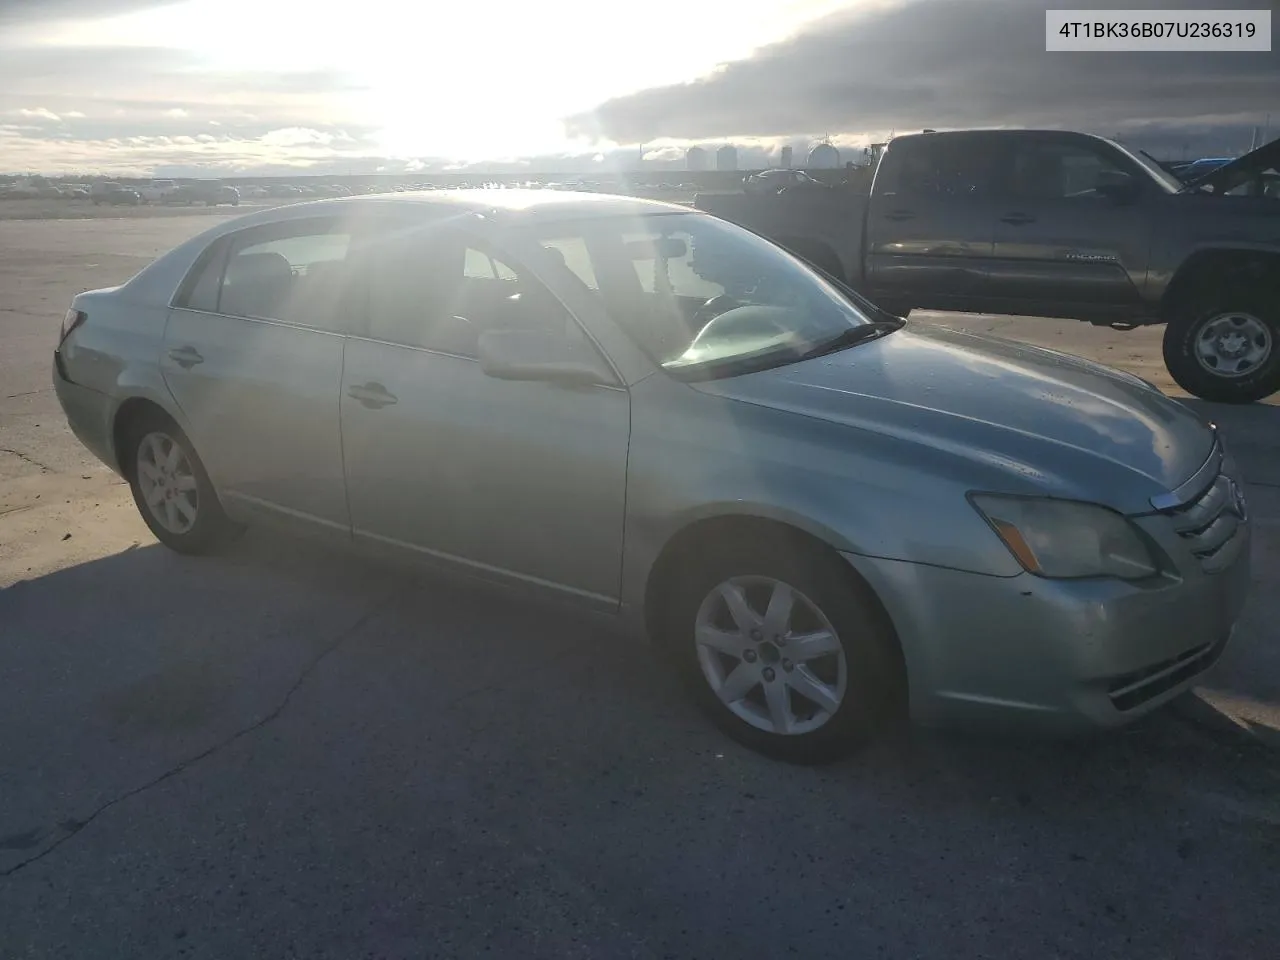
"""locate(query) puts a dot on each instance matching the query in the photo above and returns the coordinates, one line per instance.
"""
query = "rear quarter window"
(199, 289)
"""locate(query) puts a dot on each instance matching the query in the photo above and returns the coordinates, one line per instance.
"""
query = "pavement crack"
(73, 827)
(26, 393)
(44, 467)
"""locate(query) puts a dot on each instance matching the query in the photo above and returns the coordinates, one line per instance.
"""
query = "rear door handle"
(900, 215)
(185, 357)
(1018, 219)
(372, 395)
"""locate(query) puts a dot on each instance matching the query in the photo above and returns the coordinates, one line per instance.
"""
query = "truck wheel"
(1225, 350)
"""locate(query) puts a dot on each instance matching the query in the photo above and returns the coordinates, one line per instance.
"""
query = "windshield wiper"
(854, 336)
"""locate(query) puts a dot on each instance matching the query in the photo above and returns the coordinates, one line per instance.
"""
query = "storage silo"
(696, 158)
(824, 157)
(727, 157)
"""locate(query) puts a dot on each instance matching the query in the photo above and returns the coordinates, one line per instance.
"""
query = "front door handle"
(900, 215)
(185, 357)
(372, 395)
(1018, 219)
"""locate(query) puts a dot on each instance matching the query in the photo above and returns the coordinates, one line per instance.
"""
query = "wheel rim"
(1233, 344)
(770, 655)
(167, 482)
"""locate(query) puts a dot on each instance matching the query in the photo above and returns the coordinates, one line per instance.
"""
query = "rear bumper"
(1057, 656)
(89, 414)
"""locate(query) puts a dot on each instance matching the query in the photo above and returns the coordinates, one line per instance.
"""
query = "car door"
(1073, 234)
(931, 220)
(515, 480)
(252, 354)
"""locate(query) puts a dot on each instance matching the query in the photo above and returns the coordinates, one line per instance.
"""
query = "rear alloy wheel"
(172, 490)
(784, 651)
(1226, 355)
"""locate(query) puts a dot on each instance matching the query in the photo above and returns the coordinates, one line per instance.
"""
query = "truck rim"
(1233, 344)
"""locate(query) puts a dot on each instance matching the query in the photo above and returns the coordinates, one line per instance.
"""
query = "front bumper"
(1056, 655)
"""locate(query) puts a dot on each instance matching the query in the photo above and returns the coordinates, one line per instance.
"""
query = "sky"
(156, 87)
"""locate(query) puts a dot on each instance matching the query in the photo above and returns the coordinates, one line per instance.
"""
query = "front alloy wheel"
(782, 645)
(770, 655)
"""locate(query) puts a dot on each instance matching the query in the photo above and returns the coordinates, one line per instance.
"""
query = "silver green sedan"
(822, 516)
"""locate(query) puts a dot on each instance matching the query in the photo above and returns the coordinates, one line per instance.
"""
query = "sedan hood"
(1023, 419)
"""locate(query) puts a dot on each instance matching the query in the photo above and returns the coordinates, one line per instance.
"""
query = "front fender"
(697, 456)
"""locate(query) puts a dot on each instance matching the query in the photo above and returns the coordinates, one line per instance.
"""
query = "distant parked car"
(775, 181)
(1186, 172)
(119, 196)
(158, 191)
(99, 189)
(822, 514)
(210, 193)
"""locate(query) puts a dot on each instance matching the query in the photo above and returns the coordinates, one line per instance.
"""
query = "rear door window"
(299, 272)
(947, 167)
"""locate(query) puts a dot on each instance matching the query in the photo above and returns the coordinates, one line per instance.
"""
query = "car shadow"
(137, 662)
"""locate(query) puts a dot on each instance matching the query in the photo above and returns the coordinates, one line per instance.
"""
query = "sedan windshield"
(706, 299)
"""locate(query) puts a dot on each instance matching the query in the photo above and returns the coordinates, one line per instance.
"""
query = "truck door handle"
(372, 395)
(185, 357)
(1018, 219)
(900, 215)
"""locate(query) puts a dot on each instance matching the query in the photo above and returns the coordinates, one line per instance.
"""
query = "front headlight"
(1067, 538)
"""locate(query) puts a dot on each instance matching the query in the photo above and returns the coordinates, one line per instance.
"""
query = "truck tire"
(1225, 348)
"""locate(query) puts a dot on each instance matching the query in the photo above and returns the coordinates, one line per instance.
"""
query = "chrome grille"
(1210, 521)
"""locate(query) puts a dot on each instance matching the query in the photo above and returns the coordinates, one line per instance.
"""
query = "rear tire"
(1225, 346)
(171, 488)
(783, 688)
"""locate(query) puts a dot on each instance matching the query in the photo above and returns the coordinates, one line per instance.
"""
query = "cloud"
(942, 63)
(39, 11)
(39, 113)
(297, 137)
(146, 105)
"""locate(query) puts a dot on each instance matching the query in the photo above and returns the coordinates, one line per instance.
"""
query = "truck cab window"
(945, 166)
(1057, 171)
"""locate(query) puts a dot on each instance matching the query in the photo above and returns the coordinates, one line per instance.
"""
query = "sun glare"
(464, 81)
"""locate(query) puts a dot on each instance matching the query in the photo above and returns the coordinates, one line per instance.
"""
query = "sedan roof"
(537, 204)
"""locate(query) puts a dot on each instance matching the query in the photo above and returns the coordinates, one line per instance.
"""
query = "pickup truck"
(1057, 224)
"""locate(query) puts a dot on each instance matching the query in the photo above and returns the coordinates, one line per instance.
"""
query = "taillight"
(72, 320)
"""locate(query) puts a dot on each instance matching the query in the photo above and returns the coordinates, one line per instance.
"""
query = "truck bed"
(815, 224)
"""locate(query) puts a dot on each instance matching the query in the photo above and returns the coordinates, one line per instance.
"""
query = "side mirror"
(540, 355)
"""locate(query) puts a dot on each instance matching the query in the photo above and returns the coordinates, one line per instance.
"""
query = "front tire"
(172, 490)
(783, 649)
(1226, 348)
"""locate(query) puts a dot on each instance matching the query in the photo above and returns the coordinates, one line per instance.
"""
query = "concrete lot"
(290, 753)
